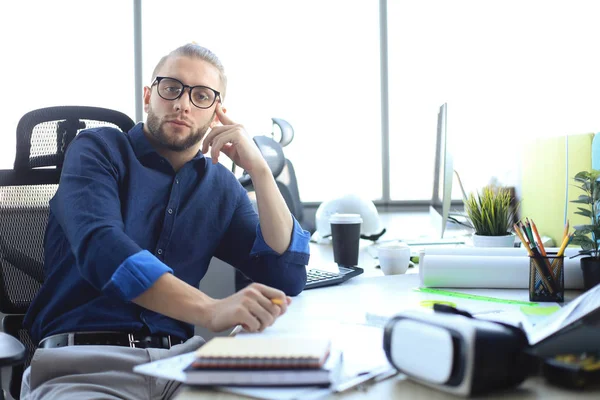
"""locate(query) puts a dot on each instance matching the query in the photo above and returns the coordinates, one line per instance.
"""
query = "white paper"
(303, 393)
(467, 268)
(576, 309)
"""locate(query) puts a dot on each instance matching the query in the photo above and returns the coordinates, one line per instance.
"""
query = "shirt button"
(170, 211)
(176, 180)
(162, 161)
(159, 251)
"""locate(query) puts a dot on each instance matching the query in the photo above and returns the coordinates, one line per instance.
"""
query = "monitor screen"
(444, 168)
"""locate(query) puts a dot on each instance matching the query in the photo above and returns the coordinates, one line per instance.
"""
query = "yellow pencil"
(561, 252)
(279, 302)
(563, 245)
(566, 231)
(518, 232)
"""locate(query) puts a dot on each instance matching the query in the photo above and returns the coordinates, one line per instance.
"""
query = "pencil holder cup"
(547, 278)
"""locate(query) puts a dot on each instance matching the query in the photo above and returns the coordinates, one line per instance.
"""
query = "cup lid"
(345, 218)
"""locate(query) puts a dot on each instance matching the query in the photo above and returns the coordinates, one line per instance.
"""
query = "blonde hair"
(194, 50)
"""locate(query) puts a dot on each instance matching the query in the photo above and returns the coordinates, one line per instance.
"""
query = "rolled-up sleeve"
(298, 251)
(245, 248)
(88, 208)
(135, 275)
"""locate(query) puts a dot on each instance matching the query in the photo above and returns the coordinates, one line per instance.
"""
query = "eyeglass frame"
(160, 78)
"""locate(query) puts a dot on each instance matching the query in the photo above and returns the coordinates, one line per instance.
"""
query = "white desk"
(349, 302)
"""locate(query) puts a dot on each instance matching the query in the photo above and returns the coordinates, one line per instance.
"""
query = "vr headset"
(451, 351)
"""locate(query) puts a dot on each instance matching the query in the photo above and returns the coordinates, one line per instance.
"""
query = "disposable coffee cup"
(345, 234)
(394, 258)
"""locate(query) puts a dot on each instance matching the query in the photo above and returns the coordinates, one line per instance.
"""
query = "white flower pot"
(493, 241)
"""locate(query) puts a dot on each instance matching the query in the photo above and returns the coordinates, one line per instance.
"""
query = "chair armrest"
(11, 350)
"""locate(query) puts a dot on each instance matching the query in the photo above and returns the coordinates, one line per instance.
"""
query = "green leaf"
(583, 199)
(490, 211)
(582, 176)
(585, 212)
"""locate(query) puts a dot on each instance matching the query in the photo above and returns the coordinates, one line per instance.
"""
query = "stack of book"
(251, 360)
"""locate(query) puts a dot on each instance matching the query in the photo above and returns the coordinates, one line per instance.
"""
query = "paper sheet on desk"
(472, 267)
(362, 348)
(361, 345)
(302, 393)
(496, 311)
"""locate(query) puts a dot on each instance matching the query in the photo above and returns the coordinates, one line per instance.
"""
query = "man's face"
(177, 125)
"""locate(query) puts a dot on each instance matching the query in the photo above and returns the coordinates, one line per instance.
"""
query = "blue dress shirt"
(122, 217)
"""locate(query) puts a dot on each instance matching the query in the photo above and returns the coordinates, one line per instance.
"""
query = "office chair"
(273, 155)
(284, 174)
(11, 352)
(285, 178)
(42, 139)
(285, 130)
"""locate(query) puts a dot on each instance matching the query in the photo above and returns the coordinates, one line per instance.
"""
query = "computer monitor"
(441, 199)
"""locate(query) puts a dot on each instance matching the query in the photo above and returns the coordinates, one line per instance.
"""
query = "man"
(132, 229)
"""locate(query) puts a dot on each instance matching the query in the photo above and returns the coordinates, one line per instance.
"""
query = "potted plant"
(587, 235)
(491, 214)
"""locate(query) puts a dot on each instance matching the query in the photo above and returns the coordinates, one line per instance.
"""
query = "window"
(313, 63)
(64, 52)
(510, 71)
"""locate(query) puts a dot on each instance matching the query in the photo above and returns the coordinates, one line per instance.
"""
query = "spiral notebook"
(262, 352)
(261, 361)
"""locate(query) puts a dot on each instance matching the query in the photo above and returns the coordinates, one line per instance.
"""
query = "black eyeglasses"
(172, 89)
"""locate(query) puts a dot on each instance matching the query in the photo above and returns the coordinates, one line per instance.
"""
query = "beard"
(156, 125)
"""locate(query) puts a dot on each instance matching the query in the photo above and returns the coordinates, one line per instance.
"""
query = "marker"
(278, 302)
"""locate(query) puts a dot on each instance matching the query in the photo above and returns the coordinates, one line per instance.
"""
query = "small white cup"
(394, 258)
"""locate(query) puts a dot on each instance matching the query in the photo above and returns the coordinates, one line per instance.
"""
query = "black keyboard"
(318, 278)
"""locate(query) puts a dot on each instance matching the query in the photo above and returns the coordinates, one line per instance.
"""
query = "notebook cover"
(262, 353)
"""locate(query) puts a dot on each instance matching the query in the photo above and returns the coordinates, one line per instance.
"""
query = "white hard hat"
(371, 227)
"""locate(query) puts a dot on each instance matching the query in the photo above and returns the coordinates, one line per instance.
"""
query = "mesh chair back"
(43, 135)
(23, 217)
(42, 140)
(24, 197)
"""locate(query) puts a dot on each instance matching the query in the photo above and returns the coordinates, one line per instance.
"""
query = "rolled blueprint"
(489, 268)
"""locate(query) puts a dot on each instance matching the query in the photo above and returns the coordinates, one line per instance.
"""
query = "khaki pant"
(99, 372)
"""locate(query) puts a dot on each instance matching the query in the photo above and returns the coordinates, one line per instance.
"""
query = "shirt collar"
(141, 145)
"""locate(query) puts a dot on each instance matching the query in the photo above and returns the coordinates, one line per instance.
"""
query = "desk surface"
(401, 388)
(314, 309)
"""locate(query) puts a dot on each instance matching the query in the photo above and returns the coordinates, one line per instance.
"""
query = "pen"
(383, 372)
(529, 233)
(236, 329)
